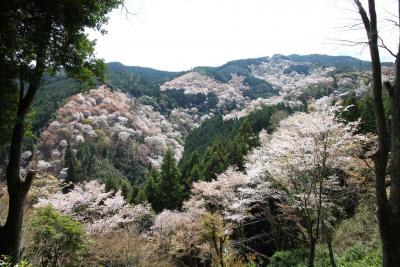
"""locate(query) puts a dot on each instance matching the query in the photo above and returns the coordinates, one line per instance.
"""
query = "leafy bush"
(57, 240)
(87, 121)
(357, 255)
(286, 258)
(5, 261)
(360, 229)
(360, 255)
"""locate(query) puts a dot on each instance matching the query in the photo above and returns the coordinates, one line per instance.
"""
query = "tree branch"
(382, 45)
(28, 180)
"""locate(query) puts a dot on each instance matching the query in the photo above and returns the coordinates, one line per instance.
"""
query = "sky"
(179, 35)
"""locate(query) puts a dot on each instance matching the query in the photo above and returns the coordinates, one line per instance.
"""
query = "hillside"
(160, 108)
(159, 151)
(139, 81)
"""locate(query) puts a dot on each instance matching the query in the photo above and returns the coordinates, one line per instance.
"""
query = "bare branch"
(394, 22)
(382, 45)
(127, 12)
(349, 43)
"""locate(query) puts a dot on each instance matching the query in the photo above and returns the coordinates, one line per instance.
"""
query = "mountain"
(128, 124)
(340, 62)
(198, 141)
(148, 75)
(139, 81)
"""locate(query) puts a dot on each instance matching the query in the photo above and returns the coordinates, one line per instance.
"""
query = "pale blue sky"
(181, 34)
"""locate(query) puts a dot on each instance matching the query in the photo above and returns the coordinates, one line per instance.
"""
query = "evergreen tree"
(237, 152)
(71, 163)
(170, 188)
(214, 162)
(151, 189)
(140, 197)
(248, 136)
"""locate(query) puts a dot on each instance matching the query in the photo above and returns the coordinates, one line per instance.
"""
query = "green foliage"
(360, 256)
(361, 229)
(8, 108)
(6, 261)
(299, 68)
(218, 143)
(57, 240)
(362, 107)
(74, 172)
(125, 158)
(216, 232)
(50, 97)
(355, 243)
(224, 72)
(355, 256)
(146, 75)
(118, 170)
(258, 88)
(170, 187)
(289, 258)
(164, 189)
(151, 189)
(340, 62)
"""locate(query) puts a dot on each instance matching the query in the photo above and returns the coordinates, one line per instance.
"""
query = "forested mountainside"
(218, 163)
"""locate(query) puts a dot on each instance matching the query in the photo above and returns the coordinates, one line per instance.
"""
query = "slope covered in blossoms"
(110, 118)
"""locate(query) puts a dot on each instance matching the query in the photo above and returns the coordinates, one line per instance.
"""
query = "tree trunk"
(388, 209)
(330, 249)
(391, 248)
(10, 233)
(311, 254)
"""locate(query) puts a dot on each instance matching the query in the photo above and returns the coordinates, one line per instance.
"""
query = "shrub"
(57, 240)
(5, 261)
(87, 121)
(355, 256)
(124, 247)
(360, 229)
(360, 255)
(294, 258)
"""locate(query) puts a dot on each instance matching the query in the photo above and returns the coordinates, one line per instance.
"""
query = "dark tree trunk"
(311, 252)
(388, 209)
(10, 233)
(330, 250)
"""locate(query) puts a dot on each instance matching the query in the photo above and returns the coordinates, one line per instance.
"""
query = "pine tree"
(151, 189)
(214, 162)
(237, 151)
(71, 163)
(248, 136)
(141, 196)
(171, 188)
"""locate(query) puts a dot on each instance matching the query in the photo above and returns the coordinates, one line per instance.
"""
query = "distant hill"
(139, 81)
(239, 67)
(147, 75)
(340, 62)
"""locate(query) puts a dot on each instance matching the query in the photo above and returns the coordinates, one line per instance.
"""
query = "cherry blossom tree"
(99, 210)
(302, 156)
(234, 194)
